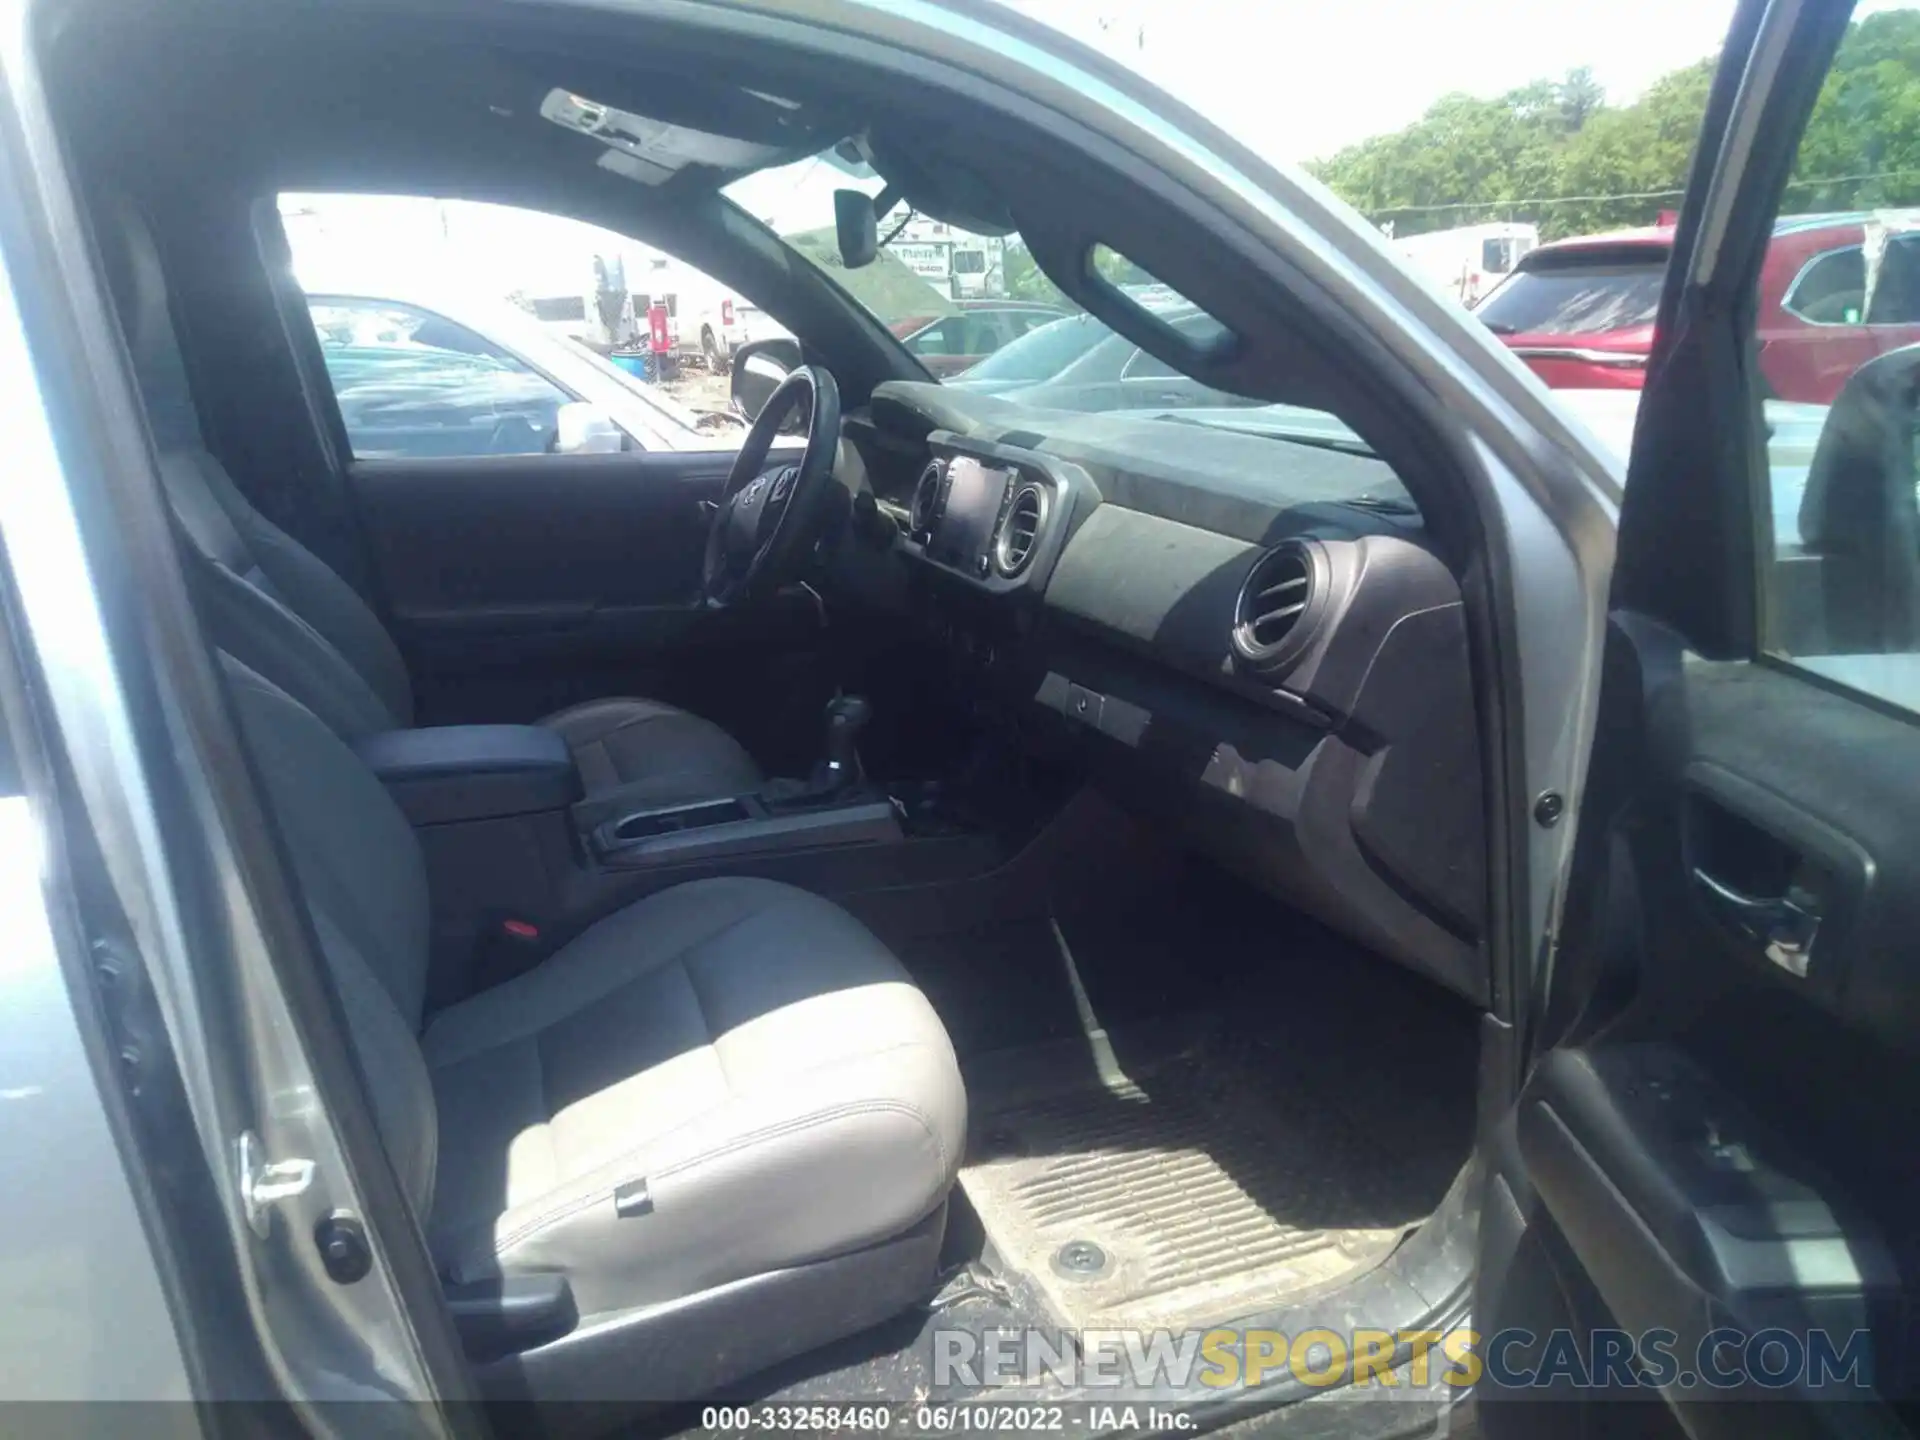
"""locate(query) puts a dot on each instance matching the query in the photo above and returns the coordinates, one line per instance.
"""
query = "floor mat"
(1186, 1174)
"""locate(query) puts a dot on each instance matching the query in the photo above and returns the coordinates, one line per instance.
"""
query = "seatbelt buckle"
(507, 945)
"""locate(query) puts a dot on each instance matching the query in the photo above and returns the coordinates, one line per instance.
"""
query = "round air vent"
(928, 493)
(1280, 605)
(1020, 531)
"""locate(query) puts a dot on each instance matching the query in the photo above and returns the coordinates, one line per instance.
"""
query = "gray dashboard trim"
(1133, 572)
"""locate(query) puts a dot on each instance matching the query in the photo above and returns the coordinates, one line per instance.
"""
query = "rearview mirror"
(758, 368)
(584, 429)
(857, 227)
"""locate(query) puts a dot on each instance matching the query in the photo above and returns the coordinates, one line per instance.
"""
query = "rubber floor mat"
(1180, 1180)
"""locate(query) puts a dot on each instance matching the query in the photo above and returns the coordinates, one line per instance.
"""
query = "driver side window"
(412, 384)
(453, 329)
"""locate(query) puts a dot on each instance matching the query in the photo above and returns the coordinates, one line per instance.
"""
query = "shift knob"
(847, 716)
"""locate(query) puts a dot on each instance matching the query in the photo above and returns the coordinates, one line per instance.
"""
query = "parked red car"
(1580, 312)
(949, 344)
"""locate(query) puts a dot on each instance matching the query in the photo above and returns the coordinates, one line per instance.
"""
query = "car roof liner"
(357, 90)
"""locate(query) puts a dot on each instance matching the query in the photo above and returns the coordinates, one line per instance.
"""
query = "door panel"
(517, 585)
(1708, 1140)
(504, 545)
(1712, 1141)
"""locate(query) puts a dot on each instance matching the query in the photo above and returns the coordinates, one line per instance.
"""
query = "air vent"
(1280, 606)
(929, 495)
(1020, 531)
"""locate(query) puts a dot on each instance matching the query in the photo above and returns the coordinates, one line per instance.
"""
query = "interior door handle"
(1784, 926)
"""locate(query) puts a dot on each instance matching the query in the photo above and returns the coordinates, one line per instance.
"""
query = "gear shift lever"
(847, 716)
(835, 776)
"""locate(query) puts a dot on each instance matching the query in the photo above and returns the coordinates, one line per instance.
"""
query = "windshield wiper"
(1499, 327)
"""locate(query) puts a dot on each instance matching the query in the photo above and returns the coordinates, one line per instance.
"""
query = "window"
(1587, 291)
(1042, 353)
(412, 384)
(987, 331)
(1496, 256)
(453, 328)
(1041, 357)
(944, 338)
(1838, 362)
(558, 307)
(1832, 290)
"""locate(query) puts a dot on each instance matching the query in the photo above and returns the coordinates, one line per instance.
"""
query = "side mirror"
(584, 429)
(758, 368)
(857, 227)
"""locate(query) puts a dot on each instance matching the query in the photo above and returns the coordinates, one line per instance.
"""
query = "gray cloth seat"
(280, 610)
(653, 754)
(745, 1051)
(748, 1049)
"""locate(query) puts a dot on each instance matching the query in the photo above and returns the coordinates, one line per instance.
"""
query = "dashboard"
(1249, 639)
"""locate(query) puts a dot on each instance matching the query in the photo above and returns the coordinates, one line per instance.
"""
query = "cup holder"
(690, 817)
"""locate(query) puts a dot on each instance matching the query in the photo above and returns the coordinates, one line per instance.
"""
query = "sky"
(1299, 79)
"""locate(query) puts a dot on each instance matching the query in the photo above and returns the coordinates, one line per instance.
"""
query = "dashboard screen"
(974, 495)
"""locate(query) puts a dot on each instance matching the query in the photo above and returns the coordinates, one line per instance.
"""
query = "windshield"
(1577, 297)
(1003, 328)
(1041, 354)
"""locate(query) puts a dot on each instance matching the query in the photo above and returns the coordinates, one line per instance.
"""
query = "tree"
(1557, 154)
(1862, 146)
(1581, 96)
(1026, 280)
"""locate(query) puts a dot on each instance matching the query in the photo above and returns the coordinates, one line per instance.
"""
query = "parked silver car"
(418, 373)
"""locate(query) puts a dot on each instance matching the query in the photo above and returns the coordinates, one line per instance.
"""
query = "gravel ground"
(697, 390)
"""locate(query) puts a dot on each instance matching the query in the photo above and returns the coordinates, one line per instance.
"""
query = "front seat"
(279, 609)
(724, 1114)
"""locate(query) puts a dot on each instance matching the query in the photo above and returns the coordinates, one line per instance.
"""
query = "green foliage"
(1540, 153)
(1026, 280)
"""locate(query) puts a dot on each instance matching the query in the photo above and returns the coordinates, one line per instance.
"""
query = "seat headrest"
(139, 289)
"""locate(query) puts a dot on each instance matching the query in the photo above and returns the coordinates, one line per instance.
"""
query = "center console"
(444, 774)
(741, 825)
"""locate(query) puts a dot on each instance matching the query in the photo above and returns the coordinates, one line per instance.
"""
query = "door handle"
(1784, 926)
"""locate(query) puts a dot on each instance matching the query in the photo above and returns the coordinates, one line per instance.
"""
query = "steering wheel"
(767, 524)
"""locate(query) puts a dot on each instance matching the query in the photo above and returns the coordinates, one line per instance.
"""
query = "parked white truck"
(1469, 261)
(704, 317)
